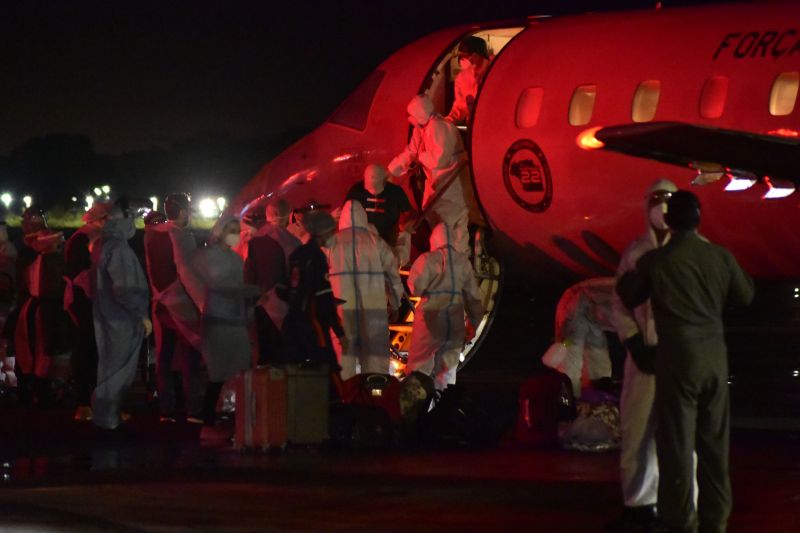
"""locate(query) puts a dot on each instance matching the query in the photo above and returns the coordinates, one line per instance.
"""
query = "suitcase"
(544, 401)
(308, 403)
(261, 409)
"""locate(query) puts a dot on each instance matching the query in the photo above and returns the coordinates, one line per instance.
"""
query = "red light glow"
(784, 132)
(588, 141)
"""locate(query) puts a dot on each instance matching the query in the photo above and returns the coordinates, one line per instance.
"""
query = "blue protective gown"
(120, 303)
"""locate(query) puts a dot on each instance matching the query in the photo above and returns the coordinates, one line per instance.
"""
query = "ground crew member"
(689, 281)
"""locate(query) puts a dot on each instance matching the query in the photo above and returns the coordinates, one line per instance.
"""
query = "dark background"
(152, 97)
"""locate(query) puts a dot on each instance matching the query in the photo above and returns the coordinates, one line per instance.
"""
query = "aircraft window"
(529, 106)
(645, 101)
(784, 93)
(713, 97)
(354, 111)
(582, 105)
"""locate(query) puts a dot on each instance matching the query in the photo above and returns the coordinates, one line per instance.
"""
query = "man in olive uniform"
(689, 281)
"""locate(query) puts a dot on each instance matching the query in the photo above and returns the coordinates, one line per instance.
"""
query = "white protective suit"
(583, 315)
(119, 305)
(363, 270)
(444, 280)
(638, 462)
(436, 145)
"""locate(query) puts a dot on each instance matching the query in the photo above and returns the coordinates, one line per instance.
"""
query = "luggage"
(261, 409)
(308, 403)
(368, 413)
(375, 390)
(544, 401)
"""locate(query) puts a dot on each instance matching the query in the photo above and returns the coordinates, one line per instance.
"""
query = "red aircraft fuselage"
(557, 209)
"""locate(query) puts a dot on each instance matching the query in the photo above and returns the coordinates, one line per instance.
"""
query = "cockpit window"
(354, 111)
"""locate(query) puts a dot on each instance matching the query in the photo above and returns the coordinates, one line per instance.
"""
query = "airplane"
(561, 98)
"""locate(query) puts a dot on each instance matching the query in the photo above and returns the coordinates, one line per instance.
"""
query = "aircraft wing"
(702, 147)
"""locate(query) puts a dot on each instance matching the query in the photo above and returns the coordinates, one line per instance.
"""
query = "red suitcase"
(261, 409)
(542, 402)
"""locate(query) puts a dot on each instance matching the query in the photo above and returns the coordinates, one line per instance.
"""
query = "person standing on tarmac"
(119, 307)
(362, 268)
(312, 307)
(266, 271)
(444, 280)
(387, 208)
(637, 331)
(77, 263)
(223, 296)
(177, 319)
(473, 59)
(265, 267)
(436, 145)
(42, 327)
(689, 281)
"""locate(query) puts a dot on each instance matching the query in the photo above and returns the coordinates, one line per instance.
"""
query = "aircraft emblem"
(526, 175)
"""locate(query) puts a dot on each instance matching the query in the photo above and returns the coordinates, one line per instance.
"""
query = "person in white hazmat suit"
(120, 299)
(363, 271)
(436, 145)
(637, 331)
(444, 280)
(583, 315)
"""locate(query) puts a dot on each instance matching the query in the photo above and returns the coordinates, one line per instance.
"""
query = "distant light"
(74, 198)
(208, 208)
(89, 202)
(27, 200)
(97, 191)
(221, 203)
(106, 189)
(588, 141)
(796, 374)
(154, 201)
(777, 189)
(6, 198)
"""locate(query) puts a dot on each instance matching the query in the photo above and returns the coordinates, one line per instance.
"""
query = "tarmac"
(66, 476)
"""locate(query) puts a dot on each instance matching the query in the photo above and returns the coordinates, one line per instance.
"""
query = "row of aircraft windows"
(645, 100)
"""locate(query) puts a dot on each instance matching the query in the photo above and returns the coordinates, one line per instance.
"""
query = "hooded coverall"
(363, 270)
(445, 281)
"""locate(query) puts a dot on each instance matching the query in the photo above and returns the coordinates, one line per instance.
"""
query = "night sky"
(144, 75)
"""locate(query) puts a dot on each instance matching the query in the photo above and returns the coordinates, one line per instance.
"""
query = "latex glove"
(643, 356)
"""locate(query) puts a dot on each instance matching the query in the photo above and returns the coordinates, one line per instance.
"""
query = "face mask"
(465, 64)
(656, 216)
(232, 239)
